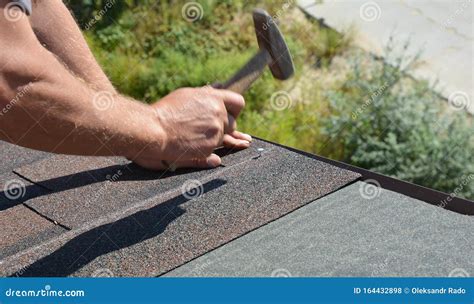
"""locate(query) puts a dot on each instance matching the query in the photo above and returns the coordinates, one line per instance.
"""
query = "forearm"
(43, 106)
(58, 32)
(62, 123)
(51, 110)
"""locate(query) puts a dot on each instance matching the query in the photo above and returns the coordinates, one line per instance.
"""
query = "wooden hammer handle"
(242, 80)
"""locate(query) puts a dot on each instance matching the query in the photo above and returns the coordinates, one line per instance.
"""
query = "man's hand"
(194, 122)
(44, 106)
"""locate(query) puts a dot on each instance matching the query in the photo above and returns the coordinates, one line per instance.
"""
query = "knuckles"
(241, 101)
(215, 130)
(205, 104)
(218, 109)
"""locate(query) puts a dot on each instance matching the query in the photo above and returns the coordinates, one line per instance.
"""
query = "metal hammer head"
(270, 39)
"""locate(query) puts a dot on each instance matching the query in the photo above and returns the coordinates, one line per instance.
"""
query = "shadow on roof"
(123, 233)
(222, 152)
(30, 191)
(85, 178)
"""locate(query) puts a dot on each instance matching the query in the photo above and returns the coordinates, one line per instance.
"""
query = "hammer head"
(270, 39)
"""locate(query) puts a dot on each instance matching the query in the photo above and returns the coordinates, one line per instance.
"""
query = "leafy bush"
(399, 127)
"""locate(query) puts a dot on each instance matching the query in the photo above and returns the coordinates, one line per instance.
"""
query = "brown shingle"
(144, 225)
(22, 228)
(12, 156)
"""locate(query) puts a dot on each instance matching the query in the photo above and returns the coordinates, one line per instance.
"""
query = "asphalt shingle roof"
(116, 216)
(22, 228)
(345, 234)
(13, 156)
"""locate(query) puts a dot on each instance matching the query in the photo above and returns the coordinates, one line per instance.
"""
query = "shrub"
(394, 125)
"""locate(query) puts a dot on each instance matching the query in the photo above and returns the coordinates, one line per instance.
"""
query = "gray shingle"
(345, 234)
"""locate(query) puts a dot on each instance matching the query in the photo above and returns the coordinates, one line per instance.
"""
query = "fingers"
(233, 102)
(212, 161)
(237, 140)
(230, 125)
(240, 135)
(232, 142)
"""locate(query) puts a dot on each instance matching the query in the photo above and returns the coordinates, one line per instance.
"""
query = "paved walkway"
(442, 28)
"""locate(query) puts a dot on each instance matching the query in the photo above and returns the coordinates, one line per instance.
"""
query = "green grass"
(148, 49)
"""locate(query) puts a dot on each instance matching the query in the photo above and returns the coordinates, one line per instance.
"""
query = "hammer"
(273, 52)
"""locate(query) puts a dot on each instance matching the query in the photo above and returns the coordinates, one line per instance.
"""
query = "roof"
(93, 216)
(115, 215)
(344, 234)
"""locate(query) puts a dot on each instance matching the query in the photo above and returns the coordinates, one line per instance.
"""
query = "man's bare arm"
(43, 106)
(46, 108)
(57, 31)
